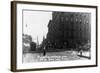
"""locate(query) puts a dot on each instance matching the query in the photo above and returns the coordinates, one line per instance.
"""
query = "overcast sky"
(35, 24)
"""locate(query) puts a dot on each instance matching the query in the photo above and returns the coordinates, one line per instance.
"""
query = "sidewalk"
(85, 54)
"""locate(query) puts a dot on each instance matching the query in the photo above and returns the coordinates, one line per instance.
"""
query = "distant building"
(28, 44)
(69, 29)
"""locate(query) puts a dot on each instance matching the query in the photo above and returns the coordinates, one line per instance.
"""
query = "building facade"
(69, 29)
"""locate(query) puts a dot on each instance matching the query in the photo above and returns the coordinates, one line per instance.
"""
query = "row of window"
(75, 20)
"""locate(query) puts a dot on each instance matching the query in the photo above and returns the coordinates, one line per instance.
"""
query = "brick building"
(69, 29)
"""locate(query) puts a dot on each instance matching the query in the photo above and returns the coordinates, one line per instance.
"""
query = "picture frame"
(46, 36)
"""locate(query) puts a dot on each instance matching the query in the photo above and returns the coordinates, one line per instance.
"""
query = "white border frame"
(58, 63)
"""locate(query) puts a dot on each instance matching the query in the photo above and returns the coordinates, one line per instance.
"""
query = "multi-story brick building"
(69, 29)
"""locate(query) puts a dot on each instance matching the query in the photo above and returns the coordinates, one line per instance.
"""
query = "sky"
(35, 24)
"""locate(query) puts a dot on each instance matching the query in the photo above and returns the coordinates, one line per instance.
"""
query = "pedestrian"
(44, 51)
(81, 52)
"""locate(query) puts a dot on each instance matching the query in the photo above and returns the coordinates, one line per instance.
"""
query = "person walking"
(44, 51)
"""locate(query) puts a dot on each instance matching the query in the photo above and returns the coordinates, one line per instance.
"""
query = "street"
(51, 56)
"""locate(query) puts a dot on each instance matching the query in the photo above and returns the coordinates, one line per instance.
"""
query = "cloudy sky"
(35, 24)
